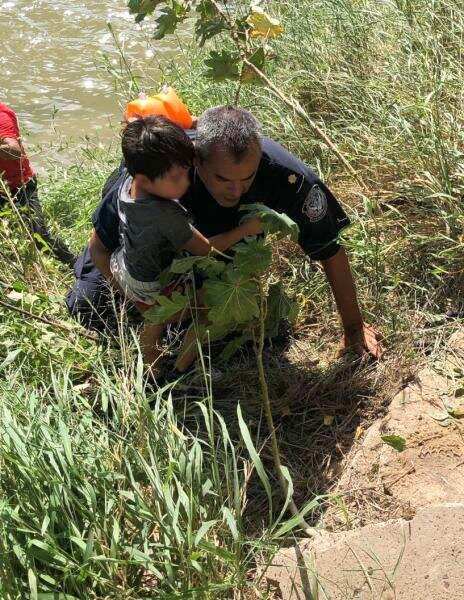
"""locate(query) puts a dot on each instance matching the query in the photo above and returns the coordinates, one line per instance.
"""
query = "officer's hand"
(363, 339)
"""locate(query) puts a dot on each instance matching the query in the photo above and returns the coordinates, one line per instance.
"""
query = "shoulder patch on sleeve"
(315, 204)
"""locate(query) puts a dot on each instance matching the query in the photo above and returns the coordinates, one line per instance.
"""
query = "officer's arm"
(100, 256)
(320, 218)
(357, 334)
(10, 149)
(338, 273)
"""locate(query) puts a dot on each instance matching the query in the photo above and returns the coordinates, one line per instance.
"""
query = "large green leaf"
(237, 342)
(253, 257)
(274, 222)
(210, 22)
(142, 7)
(233, 299)
(222, 65)
(207, 264)
(169, 18)
(166, 308)
(258, 59)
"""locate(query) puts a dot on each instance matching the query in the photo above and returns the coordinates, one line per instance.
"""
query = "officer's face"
(225, 179)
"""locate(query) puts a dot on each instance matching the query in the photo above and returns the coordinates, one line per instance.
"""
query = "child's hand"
(253, 226)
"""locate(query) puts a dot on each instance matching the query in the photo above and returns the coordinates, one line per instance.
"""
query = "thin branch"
(296, 106)
(55, 324)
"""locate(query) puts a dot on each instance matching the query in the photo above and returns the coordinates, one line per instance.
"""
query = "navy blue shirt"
(282, 182)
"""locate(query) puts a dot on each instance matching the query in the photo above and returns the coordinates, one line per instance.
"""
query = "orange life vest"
(167, 103)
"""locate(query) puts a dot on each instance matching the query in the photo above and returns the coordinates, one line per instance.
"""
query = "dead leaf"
(457, 413)
(441, 417)
(26, 297)
(262, 25)
(359, 432)
(328, 419)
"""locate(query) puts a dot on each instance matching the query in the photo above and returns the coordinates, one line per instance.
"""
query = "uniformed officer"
(235, 165)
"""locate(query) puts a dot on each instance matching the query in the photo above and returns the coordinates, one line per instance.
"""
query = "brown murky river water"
(55, 63)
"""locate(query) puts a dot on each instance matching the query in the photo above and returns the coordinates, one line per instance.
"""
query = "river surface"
(56, 63)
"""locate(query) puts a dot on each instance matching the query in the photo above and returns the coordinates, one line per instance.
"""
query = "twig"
(8, 260)
(289, 101)
(296, 106)
(55, 324)
(237, 93)
(387, 485)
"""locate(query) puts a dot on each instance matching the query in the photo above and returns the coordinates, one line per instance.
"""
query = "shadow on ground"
(319, 408)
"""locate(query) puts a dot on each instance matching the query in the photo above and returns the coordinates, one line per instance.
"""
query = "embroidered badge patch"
(315, 204)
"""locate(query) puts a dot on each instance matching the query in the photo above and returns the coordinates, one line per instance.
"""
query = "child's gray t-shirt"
(152, 232)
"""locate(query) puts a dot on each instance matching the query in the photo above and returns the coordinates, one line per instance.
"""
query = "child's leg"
(151, 336)
(150, 343)
(188, 350)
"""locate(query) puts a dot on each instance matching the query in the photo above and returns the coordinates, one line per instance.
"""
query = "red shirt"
(15, 172)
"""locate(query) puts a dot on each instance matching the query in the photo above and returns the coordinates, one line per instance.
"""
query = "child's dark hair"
(152, 145)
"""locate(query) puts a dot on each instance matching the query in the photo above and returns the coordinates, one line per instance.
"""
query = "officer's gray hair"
(227, 128)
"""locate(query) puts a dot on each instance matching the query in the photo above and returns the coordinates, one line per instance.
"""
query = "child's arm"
(201, 246)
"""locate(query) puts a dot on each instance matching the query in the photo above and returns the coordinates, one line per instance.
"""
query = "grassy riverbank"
(103, 496)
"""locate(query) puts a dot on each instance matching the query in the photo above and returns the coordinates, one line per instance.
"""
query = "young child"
(155, 226)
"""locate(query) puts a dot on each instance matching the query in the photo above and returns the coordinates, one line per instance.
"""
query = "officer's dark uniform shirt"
(282, 182)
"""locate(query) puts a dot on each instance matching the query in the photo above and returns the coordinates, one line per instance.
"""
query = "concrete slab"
(421, 559)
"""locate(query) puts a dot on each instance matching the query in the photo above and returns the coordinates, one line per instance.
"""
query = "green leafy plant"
(395, 441)
(231, 290)
(247, 24)
(239, 297)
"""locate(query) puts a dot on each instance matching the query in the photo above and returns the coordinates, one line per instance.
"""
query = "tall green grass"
(105, 496)
(106, 493)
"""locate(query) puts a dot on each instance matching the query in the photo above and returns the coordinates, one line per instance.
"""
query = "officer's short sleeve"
(105, 219)
(317, 212)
